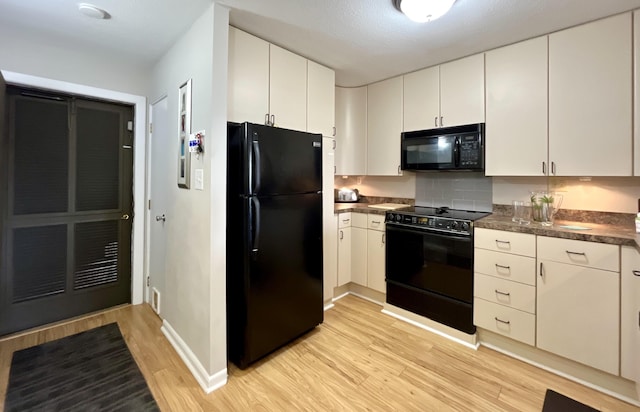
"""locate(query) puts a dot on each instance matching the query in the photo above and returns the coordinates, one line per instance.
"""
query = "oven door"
(430, 153)
(436, 262)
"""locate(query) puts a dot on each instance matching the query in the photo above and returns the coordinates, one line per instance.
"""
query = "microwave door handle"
(456, 153)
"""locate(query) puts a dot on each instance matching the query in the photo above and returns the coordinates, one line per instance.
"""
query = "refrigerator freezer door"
(282, 161)
(283, 285)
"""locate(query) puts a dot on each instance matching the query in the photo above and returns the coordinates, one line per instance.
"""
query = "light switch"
(199, 179)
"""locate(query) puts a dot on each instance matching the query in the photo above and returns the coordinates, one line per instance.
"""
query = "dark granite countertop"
(619, 234)
(363, 206)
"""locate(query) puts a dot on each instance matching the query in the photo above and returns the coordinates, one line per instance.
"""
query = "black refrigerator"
(274, 238)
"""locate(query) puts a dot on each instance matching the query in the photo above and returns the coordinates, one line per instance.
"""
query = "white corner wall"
(194, 304)
(41, 56)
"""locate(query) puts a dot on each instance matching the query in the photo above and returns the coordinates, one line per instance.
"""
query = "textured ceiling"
(363, 40)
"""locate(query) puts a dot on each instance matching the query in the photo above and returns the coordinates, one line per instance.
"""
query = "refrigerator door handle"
(256, 169)
(256, 231)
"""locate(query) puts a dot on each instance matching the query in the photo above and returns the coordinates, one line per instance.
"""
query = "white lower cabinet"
(375, 253)
(630, 314)
(578, 307)
(359, 248)
(512, 323)
(344, 249)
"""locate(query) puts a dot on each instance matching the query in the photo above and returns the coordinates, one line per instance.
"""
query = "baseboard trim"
(209, 383)
(449, 334)
(328, 306)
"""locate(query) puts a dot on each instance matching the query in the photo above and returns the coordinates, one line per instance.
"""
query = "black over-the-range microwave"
(446, 148)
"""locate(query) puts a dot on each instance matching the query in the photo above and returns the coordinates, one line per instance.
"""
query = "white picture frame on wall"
(184, 130)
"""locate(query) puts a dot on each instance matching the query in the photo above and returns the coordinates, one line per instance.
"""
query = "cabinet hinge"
(148, 281)
(150, 127)
(149, 204)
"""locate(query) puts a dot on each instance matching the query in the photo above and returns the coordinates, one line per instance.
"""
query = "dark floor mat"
(556, 402)
(90, 371)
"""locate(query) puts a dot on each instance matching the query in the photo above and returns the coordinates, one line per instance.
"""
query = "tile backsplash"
(457, 190)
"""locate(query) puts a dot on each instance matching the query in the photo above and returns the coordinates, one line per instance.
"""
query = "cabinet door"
(248, 85)
(376, 261)
(330, 222)
(359, 256)
(630, 314)
(578, 314)
(422, 99)
(344, 256)
(288, 89)
(321, 100)
(384, 125)
(351, 131)
(462, 91)
(590, 87)
(516, 80)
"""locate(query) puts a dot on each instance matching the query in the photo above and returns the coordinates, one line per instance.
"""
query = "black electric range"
(429, 263)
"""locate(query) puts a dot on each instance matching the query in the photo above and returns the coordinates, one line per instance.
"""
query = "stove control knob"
(390, 217)
(465, 226)
(454, 225)
(398, 218)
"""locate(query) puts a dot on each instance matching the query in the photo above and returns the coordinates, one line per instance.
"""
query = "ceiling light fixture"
(422, 11)
(93, 11)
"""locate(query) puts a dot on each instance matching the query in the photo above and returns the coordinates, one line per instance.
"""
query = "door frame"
(139, 160)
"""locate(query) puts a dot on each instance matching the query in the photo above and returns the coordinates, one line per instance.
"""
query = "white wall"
(385, 186)
(40, 56)
(194, 295)
(603, 194)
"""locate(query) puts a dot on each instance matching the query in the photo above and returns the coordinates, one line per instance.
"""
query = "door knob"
(124, 217)
(159, 218)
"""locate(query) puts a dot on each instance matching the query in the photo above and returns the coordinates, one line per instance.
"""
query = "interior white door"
(160, 179)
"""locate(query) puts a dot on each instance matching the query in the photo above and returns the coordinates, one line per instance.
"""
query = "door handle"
(161, 218)
(256, 170)
(124, 217)
(256, 233)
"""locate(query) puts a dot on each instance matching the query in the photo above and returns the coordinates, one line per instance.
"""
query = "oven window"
(439, 263)
(432, 151)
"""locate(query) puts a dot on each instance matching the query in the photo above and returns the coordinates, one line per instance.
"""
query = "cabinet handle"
(435, 121)
(399, 171)
(441, 122)
(506, 322)
(503, 267)
(334, 134)
(345, 220)
(266, 119)
(335, 170)
(636, 272)
(383, 235)
(502, 293)
(341, 235)
(375, 222)
(541, 274)
(553, 168)
(273, 120)
(334, 142)
(544, 168)
(506, 242)
(576, 253)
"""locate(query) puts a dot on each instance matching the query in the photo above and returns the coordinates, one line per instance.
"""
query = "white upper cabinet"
(422, 99)
(351, 131)
(451, 94)
(248, 85)
(516, 123)
(288, 89)
(636, 95)
(321, 108)
(384, 125)
(462, 91)
(590, 99)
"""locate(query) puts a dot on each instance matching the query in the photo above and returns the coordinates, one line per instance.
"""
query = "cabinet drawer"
(359, 220)
(344, 220)
(501, 241)
(578, 252)
(512, 323)
(375, 222)
(504, 292)
(506, 266)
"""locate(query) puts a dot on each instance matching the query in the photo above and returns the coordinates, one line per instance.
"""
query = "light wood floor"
(358, 359)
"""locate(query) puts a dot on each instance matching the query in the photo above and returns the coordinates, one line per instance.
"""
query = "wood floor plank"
(358, 360)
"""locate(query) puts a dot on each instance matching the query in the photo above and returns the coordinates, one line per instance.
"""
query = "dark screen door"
(67, 202)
